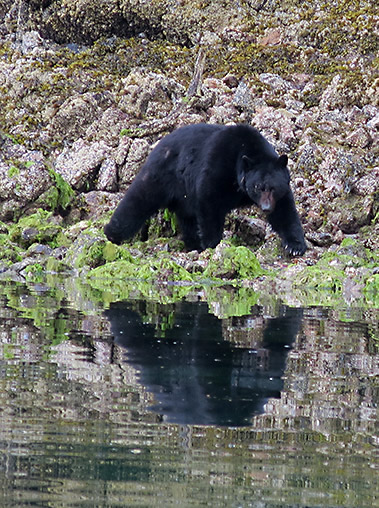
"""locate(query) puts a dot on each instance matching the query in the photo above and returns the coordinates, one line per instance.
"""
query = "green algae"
(321, 277)
(159, 275)
(10, 252)
(226, 263)
(39, 227)
(34, 271)
(161, 268)
(64, 193)
(349, 269)
(171, 218)
(371, 291)
(233, 263)
(58, 197)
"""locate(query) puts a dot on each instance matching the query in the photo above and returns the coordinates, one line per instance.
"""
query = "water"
(188, 403)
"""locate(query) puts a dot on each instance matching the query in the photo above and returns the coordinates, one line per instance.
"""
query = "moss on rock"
(39, 227)
(229, 262)
(10, 252)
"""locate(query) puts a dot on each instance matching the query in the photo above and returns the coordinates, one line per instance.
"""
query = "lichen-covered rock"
(138, 151)
(278, 126)
(95, 205)
(107, 126)
(368, 184)
(23, 178)
(148, 94)
(86, 21)
(107, 177)
(81, 163)
(75, 115)
(351, 213)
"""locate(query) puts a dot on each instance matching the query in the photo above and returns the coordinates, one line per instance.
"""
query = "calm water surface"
(139, 403)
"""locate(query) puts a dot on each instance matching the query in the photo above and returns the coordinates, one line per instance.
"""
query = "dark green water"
(137, 403)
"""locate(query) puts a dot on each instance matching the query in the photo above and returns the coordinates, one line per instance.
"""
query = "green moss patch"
(224, 263)
(233, 263)
(162, 268)
(9, 251)
(39, 227)
(60, 195)
(346, 273)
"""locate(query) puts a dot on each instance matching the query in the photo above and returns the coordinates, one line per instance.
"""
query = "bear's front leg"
(286, 222)
(190, 231)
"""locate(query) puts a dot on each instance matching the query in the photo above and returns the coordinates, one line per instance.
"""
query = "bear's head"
(113, 231)
(265, 181)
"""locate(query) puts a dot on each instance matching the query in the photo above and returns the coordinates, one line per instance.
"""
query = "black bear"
(201, 172)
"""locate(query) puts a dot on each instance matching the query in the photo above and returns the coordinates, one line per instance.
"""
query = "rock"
(275, 82)
(359, 138)
(332, 94)
(231, 81)
(321, 239)
(351, 214)
(74, 116)
(368, 184)
(138, 151)
(89, 20)
(272, 38)
(40, 227)
(122, 150)
(96, 204)
(107, 178)
(148, 94)
(250, 230)
(108, 127)
(29, 235)
(79, 164)
(23, 178)
(374, 122)
(31, 41)
(278, 126)
(38, 249)
(86, 250)
(307, 156)
(243, 99)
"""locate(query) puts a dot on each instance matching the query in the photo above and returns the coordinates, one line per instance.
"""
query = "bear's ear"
(282, 161)
(247, 163)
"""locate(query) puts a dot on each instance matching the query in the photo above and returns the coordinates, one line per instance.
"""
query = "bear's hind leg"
(135, 208)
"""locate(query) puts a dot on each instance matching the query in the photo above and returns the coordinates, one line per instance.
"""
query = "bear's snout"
(267, 201)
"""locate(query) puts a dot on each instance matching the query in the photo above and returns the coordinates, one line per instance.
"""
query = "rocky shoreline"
(84, 99)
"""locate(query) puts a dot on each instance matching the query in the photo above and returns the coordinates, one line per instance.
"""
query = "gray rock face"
(68, 21)
(79, 164)
(23, 178)
(72, 111)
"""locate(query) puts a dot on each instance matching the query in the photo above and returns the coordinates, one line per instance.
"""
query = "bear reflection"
(196, 376)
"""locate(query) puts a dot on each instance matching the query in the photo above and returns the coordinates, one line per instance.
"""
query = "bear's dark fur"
(201, 172)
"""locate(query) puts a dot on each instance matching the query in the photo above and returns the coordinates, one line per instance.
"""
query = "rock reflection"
(197, 373)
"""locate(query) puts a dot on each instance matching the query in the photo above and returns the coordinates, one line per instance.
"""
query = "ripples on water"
(136, 403)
